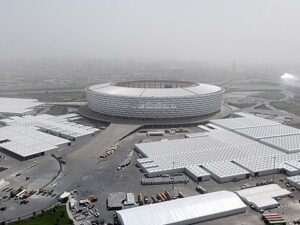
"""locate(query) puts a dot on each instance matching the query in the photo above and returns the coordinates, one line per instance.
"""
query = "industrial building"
(62, 126)
(30, 136)
(263, 197)
(294, 181)
(157, 99)
(279, 136)
(28, 142)
(18, 106)
(232, 149)
(188, 210)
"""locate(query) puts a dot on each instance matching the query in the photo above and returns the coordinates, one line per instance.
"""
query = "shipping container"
(272, 217)
(16, 191)
(268, 214)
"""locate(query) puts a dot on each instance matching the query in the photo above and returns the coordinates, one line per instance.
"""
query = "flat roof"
(268, 131)
(24, 135)
(18, 105)
(289, 144)
(55, 124)
(224, 152)
(244, 121)
(263, 196)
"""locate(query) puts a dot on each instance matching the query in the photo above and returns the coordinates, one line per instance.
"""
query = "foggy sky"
(204, 30)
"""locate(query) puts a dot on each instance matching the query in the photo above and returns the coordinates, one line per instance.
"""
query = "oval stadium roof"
(195, 89)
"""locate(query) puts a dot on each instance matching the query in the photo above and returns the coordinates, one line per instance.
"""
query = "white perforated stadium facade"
(155, 99)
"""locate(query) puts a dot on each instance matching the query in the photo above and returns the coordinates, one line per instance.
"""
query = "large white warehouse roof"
(18, 106)
(268, 131)
(244, 121)
(33, 135)
(54, 124)
(184, 211)
(226, 152)
(27, 141)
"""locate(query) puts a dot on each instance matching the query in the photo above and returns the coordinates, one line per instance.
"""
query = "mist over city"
(138, 112)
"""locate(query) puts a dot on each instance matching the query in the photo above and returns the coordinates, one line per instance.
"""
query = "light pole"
(274, 158)
(173, 175)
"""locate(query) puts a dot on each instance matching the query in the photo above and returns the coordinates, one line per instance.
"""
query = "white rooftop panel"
(268, 131)
(27, 133)
(262, 203)
(48, 122)
(224, 169)
(295, 179)
(197, 171)
(295, 164)
(289, 144)
(217, 149)
(243, 122)
(265, 191)
(18, 149)
(18, 105)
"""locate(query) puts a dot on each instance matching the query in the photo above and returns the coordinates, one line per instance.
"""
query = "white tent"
(263, 197)
(184, 211)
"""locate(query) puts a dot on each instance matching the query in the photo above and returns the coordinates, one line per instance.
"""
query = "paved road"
(273, 110)
(66, 104)
(111, 135)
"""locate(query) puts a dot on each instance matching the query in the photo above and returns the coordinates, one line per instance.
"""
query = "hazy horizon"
(210, 31)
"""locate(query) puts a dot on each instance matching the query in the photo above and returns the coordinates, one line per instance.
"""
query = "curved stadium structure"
(158, 99)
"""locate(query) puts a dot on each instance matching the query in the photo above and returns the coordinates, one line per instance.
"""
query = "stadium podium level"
(154, 99)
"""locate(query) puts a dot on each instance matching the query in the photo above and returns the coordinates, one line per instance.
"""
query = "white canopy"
(184, 211)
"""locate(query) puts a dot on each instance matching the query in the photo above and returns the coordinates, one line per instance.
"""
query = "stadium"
(158, 99)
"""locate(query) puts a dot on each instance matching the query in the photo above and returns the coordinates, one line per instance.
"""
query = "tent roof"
(185, 209)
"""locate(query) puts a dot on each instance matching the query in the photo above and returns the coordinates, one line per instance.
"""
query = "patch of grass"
(57, 110)
(285, 106)
(262, 107)
(297, 125)
(55, 216)
(295, 100)
(270, 95)
(242, 105)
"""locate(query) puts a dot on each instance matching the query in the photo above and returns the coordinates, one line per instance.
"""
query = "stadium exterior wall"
(154, 107)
